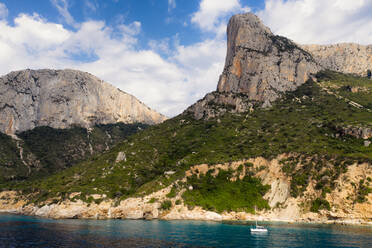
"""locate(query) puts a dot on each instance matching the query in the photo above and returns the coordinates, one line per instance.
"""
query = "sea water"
(24, 231)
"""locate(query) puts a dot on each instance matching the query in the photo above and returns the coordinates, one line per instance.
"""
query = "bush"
(152, 200)
(220, 194)
(319, 204)
(172, 193)
(369, 74)
(166, 205)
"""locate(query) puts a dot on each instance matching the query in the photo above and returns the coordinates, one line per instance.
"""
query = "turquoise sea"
(24, 231)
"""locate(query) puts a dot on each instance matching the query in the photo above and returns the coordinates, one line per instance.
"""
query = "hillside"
(57, 118)
(311, 134)
(45, 150)
(280, 133)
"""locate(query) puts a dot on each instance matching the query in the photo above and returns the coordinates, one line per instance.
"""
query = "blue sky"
(168, 53)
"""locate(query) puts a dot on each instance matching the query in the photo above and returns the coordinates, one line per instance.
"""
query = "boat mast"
(255, 214)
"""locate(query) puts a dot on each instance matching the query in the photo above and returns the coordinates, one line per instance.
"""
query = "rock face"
(61, 98)
(261, 64)
(345, 57)
(259, 67)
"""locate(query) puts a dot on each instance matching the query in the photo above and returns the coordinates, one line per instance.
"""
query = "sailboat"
(257, 228)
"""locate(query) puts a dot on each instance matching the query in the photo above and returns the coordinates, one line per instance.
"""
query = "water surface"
(24, 231)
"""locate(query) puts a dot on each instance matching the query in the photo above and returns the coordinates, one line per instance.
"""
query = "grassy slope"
(47, 150)
(302, 122)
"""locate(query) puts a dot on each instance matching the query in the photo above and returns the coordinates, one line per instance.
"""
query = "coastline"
(284, 208)
(224, 221)
(105, 211)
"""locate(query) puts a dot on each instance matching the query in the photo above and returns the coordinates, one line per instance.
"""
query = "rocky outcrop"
(261, 64)
(215, 104)
(355, 131)
(61, 98)
(259, 68)
(345, 57)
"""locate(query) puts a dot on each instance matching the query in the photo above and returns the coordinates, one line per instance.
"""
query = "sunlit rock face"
(61, 98)
(344, 57)
(261, 64)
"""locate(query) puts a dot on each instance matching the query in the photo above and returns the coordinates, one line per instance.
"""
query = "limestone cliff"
(261, 64)
(61, 98)
(345, 57)
(259, 67)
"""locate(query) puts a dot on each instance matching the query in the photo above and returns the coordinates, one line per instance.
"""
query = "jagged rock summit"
(61, 98)
(261, 66)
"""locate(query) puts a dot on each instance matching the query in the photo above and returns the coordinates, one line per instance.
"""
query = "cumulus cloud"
(213, 14)
(168, 85)
(3, 11)
(319, 21)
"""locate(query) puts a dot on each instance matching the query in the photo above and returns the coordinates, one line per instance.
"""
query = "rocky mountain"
(345, 57)
(261, 66)
(62, 98)
(280, 133)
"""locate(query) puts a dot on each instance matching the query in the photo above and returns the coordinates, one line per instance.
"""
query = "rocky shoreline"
(207, 216)
(284, 207)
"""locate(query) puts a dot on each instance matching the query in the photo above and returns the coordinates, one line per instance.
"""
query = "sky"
(167, 53)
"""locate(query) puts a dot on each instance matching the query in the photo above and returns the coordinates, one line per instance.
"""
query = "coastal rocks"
(344, 57)
(284, 207)
(260, 64)
(62, 98)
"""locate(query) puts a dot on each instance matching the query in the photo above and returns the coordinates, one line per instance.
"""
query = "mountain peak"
(61, 98)
(261, 64)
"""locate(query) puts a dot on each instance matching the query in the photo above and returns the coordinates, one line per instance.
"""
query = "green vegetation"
(153, 200)
(10, 160)
(173, 192)
(324, 169)
(369, 74)
(166, 205)
(319, 204)
(220, 193)
(303, 122)
(47, 150)
(363, 191)
(357, 89)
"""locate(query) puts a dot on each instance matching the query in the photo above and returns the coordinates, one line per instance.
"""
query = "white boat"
(257, 228)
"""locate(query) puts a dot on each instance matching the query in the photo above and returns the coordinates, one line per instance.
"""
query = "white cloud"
(3, 11)
(213, 14)
(168, 85)
(171, 5)
(62, 7)
(319, 21)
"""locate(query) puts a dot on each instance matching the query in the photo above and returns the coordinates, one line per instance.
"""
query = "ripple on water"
(22, 231)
